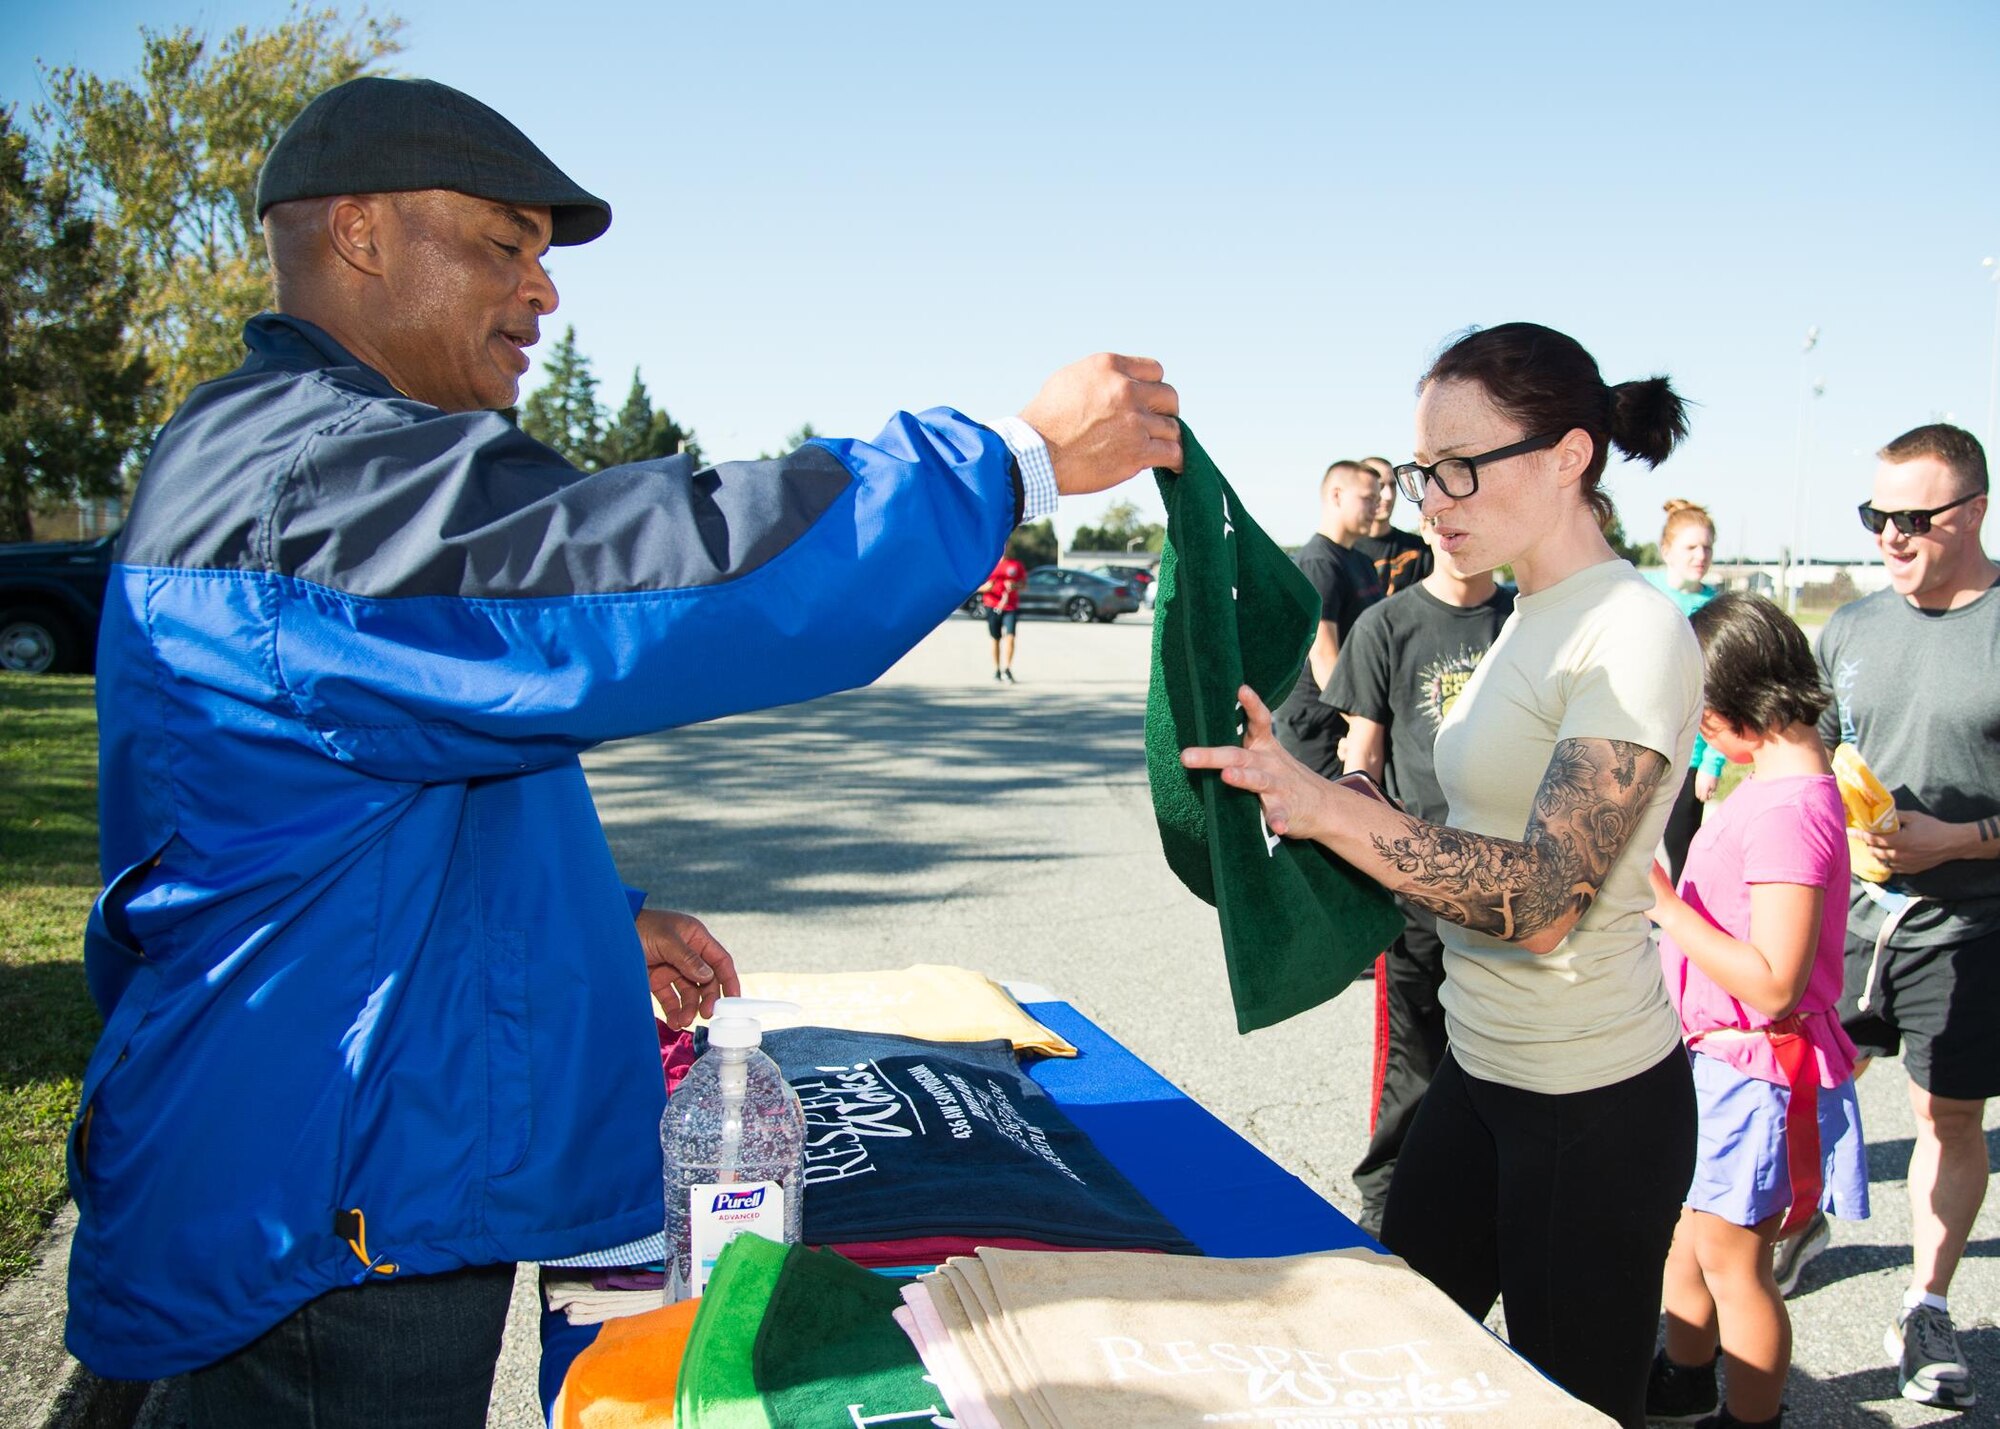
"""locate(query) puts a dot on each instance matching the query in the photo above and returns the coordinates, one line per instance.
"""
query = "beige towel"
(1307, 1341)
(966, 1276)
(931, 1001)
(974, 1353)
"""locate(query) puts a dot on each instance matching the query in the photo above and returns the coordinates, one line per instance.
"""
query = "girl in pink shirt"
(1751, 945)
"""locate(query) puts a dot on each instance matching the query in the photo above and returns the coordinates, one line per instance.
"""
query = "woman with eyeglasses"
(1549, 1160)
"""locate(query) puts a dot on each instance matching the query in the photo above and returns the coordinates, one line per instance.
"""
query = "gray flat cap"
(376, 135)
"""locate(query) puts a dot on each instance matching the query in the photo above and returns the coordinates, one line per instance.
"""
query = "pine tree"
(70, 392)
(793, 441)
(563, 412)
(640, 432)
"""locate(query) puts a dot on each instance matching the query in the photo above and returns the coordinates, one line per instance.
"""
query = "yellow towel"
(625, 1378)
(1869, 806)
(931, 1001)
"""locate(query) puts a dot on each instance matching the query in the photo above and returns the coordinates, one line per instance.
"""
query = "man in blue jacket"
(376, 1004)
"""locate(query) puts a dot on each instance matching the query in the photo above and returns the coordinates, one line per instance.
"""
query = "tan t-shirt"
(1601, 655)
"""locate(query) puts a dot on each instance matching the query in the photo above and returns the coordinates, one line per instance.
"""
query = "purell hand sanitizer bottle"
(734, 1140)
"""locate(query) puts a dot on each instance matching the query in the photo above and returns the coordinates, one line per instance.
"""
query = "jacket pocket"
(510, 1106)
(110, 950)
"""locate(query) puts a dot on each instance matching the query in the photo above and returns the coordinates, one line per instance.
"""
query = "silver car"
(1076, 595)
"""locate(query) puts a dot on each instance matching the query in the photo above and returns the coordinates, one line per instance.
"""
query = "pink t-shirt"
(1768, 831)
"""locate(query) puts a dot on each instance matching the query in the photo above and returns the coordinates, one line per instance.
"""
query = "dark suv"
(50, 595)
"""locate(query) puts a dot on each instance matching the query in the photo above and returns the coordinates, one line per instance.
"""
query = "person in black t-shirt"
(1401, 558)
(1307, 726)
(1400, 668)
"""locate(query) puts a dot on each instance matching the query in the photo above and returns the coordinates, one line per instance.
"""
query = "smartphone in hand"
(1361, 783)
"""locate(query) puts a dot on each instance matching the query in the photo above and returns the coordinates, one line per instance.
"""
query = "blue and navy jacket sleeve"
(439, 596)
(375, 1004)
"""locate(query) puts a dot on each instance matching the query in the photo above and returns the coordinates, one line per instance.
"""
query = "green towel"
(716, 1389)
(829, 1343)
(1298, 925)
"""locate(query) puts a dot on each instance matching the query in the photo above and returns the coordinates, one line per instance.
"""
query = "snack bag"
(1869, 806)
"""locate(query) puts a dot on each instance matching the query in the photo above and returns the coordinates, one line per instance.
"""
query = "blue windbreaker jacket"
(374, 1001)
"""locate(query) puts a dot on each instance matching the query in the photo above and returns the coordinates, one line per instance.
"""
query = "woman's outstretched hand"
(1293, 796)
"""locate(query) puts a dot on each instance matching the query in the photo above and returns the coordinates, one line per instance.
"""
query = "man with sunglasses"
(1911, 671)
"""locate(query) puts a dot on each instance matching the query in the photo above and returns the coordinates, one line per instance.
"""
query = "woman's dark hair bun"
(1546, 382)
(1648, 419)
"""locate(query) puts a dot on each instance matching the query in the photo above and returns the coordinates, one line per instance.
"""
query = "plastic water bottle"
(734, 1138)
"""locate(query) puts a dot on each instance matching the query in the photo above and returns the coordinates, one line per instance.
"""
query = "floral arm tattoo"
(1590, 800)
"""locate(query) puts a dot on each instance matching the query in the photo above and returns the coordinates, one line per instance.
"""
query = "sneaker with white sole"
(1795, 1252)
(1929, 1367)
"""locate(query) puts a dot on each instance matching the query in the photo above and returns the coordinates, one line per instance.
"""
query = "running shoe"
(1680, 1393)
(1009, 673)
(1929, 1367)
(1794, 1253)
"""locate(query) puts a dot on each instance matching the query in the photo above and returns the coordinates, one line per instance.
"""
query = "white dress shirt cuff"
(1038, 473)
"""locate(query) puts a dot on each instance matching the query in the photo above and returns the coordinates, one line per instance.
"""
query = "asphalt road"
(939, 817)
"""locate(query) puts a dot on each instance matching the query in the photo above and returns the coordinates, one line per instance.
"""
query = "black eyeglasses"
(1910, 523)
(1458, 476)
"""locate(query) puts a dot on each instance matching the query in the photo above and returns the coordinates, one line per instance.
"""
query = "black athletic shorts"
(999, 622)
(1934, 1001)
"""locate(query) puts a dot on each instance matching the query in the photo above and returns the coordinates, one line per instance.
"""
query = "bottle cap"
(739, 1021)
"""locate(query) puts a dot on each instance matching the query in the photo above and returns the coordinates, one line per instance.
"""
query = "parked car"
(1076, 595)
(51, 593)
(1139, 578)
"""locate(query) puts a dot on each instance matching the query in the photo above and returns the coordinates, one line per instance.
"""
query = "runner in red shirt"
(1001, 595)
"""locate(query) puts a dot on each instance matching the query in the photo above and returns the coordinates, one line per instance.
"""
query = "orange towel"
(625, 1379)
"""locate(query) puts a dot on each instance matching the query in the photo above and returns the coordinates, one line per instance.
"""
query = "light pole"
(1993, 366)
(1796, 554)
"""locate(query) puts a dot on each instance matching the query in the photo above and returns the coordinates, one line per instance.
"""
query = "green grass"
(48, 877)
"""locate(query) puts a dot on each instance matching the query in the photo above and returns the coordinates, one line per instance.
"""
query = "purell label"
(717, 1213)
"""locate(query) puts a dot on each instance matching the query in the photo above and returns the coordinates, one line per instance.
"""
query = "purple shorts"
(1740, 1173)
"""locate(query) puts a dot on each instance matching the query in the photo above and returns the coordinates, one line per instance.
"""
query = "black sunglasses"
(1910, 523)
(1458, 476)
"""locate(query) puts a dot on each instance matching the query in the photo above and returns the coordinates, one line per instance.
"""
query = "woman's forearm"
(1529, 891)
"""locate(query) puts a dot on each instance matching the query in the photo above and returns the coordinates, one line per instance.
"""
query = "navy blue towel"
(911, 1138)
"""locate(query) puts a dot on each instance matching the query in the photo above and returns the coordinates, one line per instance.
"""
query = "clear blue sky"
(827, 212)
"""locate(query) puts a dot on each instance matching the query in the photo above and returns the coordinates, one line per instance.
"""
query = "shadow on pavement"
(685, 809)
(1843, 1262)
(1889, 1160)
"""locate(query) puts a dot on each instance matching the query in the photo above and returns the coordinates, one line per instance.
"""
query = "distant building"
(1084, 560)
(1821, 585)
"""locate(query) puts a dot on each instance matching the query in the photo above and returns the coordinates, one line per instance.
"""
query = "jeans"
(418, 1352)
(1563, 1206)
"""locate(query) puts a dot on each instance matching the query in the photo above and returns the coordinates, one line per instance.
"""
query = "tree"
(641, 432)
(1647, 554)
(1122, 526)
(563, 412)
(1035, 544)
(793, 441)
(170, 163)
(70, 393)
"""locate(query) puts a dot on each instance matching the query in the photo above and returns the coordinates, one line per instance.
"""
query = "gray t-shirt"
(1403, 666)
(1918, 694)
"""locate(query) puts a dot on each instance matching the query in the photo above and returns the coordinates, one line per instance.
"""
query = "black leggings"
(1562, 1207)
